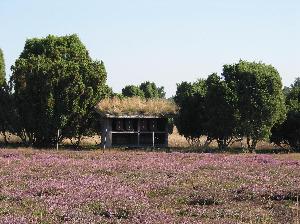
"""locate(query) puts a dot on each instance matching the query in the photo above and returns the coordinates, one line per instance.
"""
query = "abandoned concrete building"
(135, 122)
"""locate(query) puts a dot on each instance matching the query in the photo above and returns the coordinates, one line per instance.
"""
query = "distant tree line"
(55, 85)
(146, 90)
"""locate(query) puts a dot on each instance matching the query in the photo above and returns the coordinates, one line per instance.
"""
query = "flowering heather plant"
(146, 187)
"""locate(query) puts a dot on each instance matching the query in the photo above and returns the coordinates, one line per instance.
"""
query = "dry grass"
(175, 141)
(11, 138)
(136, 106)
(85, 141)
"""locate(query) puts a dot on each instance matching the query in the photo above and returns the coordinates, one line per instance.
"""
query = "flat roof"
(133, 116)
(135, 107)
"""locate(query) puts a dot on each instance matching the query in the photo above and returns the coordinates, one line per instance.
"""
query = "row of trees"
(55, 85)
(247, 100)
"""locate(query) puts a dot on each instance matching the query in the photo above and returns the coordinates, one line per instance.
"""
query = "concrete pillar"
(138, 130)
(167, 133)
(106, 135)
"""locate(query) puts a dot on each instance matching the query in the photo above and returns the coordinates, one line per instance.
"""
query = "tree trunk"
(5, 139)
(253, 145)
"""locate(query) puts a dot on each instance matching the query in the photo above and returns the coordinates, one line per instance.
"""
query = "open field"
(117, 186)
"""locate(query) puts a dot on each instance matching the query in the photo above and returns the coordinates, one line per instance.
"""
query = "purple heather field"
(40, 186)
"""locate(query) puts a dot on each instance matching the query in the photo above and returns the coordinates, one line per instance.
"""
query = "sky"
(165, 41)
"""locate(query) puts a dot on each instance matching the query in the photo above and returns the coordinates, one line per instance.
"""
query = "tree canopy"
(222, 114)
(2, 68)
(260, 99)
(246, 100)
(132, 90)
(288, 132)
(146, 90)
(56, 86)
(5, 100)
(152, 91)
(191, 118)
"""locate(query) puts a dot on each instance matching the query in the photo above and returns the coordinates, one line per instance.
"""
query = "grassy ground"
(176, 142)
(39, 186)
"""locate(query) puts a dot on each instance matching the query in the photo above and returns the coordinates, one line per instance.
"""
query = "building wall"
(134, 132)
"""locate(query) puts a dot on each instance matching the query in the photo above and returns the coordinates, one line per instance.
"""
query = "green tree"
(2, 68)
(132, 90)
(3, 96)
(152, 91)
(221, 110)
(4, 99)
(260, 98)
(288, 133)
(293, 97)
(56, 86)
(191, 118)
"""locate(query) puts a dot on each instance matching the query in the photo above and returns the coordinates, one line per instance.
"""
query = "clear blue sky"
(165, 41)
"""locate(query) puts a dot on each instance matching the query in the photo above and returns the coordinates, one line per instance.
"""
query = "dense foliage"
(56, 85)
(2, 68)
(222, 114)
(260, 98)
(7, 117)
(132, 90)
(146, 90)
(288, 133)
(152, 91)
(4, 98)
(246, 101)
(191, 118)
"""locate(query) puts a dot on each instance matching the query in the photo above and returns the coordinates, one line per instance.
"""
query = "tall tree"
(260, 98)
(56, 86)
(3, 98)
(221, 110)
(2, 68)
(191, 118)
(288, 133)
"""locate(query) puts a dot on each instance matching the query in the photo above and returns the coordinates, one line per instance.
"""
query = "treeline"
(55, 85)
(246, 101)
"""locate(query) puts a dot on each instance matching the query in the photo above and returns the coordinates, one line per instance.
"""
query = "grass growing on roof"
(136, 106)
